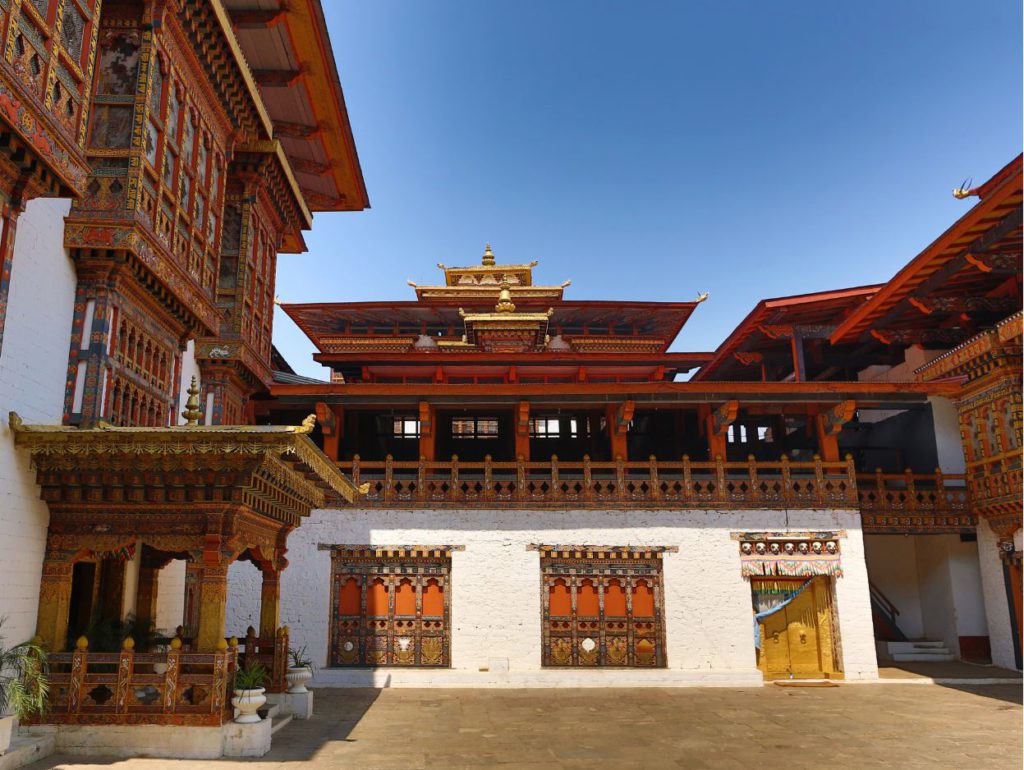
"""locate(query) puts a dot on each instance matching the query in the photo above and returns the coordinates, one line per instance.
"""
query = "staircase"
(883, 616)
(272, 711)
(920, 651)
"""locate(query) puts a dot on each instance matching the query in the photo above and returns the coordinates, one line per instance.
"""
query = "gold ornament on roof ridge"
(505, 304)
(488, 258)
(192, 413)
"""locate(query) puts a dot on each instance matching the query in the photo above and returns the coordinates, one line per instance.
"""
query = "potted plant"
(23, 685)
(249, 695)
(300, 671)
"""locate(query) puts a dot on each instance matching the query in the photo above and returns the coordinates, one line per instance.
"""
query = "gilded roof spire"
(488, 259)
(192, 413)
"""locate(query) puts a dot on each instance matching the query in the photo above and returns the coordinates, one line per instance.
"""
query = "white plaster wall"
(936, 587)
(170, 596)
(709, 630)
(892, 567)
(243, 605)
(33, 365)
(948, 443)
(997, 609)
(189, 369)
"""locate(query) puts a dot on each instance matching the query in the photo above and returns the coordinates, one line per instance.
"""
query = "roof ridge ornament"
(192, 413)
(488, 258)
(505, 304)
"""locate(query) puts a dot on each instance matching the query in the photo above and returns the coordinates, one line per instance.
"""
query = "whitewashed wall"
(496, 591)
(170, 596)
(33, 366)
(997, 609)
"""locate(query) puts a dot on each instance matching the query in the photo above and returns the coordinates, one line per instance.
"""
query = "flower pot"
(248, 703)
(6, 729)
(297, 678)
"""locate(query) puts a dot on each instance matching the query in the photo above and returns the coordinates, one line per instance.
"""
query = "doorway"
(797, 640)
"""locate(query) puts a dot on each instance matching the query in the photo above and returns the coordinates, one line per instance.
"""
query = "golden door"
(796, 642)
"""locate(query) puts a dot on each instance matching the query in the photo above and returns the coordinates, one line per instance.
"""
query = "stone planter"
(6, 730)
(248, 702)
(297, 678)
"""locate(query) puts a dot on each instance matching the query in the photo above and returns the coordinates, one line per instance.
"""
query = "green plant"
(300, 658)
(106, 634)
(251, 677)
(23, 679)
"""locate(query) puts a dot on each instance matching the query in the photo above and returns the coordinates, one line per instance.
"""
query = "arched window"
(643, 600)
(348, 597)
(377, 599)
(559, 602)
(433, 599)
(614, 600)
(405, 598)
(586, 600)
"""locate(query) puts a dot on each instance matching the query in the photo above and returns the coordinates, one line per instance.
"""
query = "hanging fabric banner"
(776, 601)
(789, 554)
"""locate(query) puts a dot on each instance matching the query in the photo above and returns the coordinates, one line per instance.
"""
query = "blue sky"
(654, 150)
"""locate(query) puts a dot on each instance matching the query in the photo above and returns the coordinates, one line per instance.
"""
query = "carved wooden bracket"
(724, 416)
(835, 418)
(426, 420)
(748, 359)
(623, 416)
(523, 418)
(326, 417)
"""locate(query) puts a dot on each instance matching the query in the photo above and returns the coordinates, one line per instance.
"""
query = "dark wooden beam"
(295, 130)
(945, 337)
(257, 18)
(931, 305)
(277, 78)
(995, 263)
(983, 243)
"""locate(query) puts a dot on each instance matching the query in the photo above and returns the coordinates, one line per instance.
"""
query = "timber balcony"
(176, 687)
(904, 501)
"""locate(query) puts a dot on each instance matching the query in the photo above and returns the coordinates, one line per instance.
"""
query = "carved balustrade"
(127, 687)
(271, 652)
(590, 484)
(915, 502)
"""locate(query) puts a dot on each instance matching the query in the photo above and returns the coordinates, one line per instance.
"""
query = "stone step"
(279, 722)
(923, 656)
(895, 647)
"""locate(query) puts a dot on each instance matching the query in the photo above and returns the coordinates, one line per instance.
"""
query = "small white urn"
(297, 678)
(248, 703)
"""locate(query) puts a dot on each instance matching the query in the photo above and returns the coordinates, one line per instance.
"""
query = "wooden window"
(389, 610)
(554, 427)
(474, 427)
(405, 427)
(602, 611)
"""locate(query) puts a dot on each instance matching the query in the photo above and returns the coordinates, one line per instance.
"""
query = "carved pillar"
(54, 603)
(9, 215)
(331, 418)
(145, 602)
(618, 417)
(523, 431)
(716, 427)
(270, 603)
(829, 425)
(428, 435)
(211, 596)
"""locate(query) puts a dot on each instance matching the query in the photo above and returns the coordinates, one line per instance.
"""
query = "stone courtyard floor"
(892, 725)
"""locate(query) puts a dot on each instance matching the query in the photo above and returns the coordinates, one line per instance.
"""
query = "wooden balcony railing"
(902, 500)
(128, 687)
(915, 502)
(271, 652)
(619, 484)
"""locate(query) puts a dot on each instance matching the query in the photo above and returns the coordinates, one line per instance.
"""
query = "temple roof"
(277, 469)
(965, 281)
(289, 52)
(764, 328)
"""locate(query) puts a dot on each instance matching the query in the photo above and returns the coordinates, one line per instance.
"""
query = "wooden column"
(523, 431)
(270, 603)
(54, 604)
(716, 426)
(829, 425)
(206, 588)
(618, 417)
(146, 595)
(332, 422)
(797, 343)
(427, 413)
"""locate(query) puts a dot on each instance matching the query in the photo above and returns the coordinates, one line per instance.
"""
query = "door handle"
(803, 637)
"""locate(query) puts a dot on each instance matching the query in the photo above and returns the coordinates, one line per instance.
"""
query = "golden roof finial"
(488, 259)
(505, 304)
(192, 413)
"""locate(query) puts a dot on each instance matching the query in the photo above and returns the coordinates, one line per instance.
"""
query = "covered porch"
(126, 502)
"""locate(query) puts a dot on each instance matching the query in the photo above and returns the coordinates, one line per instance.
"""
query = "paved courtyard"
(893, 725)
